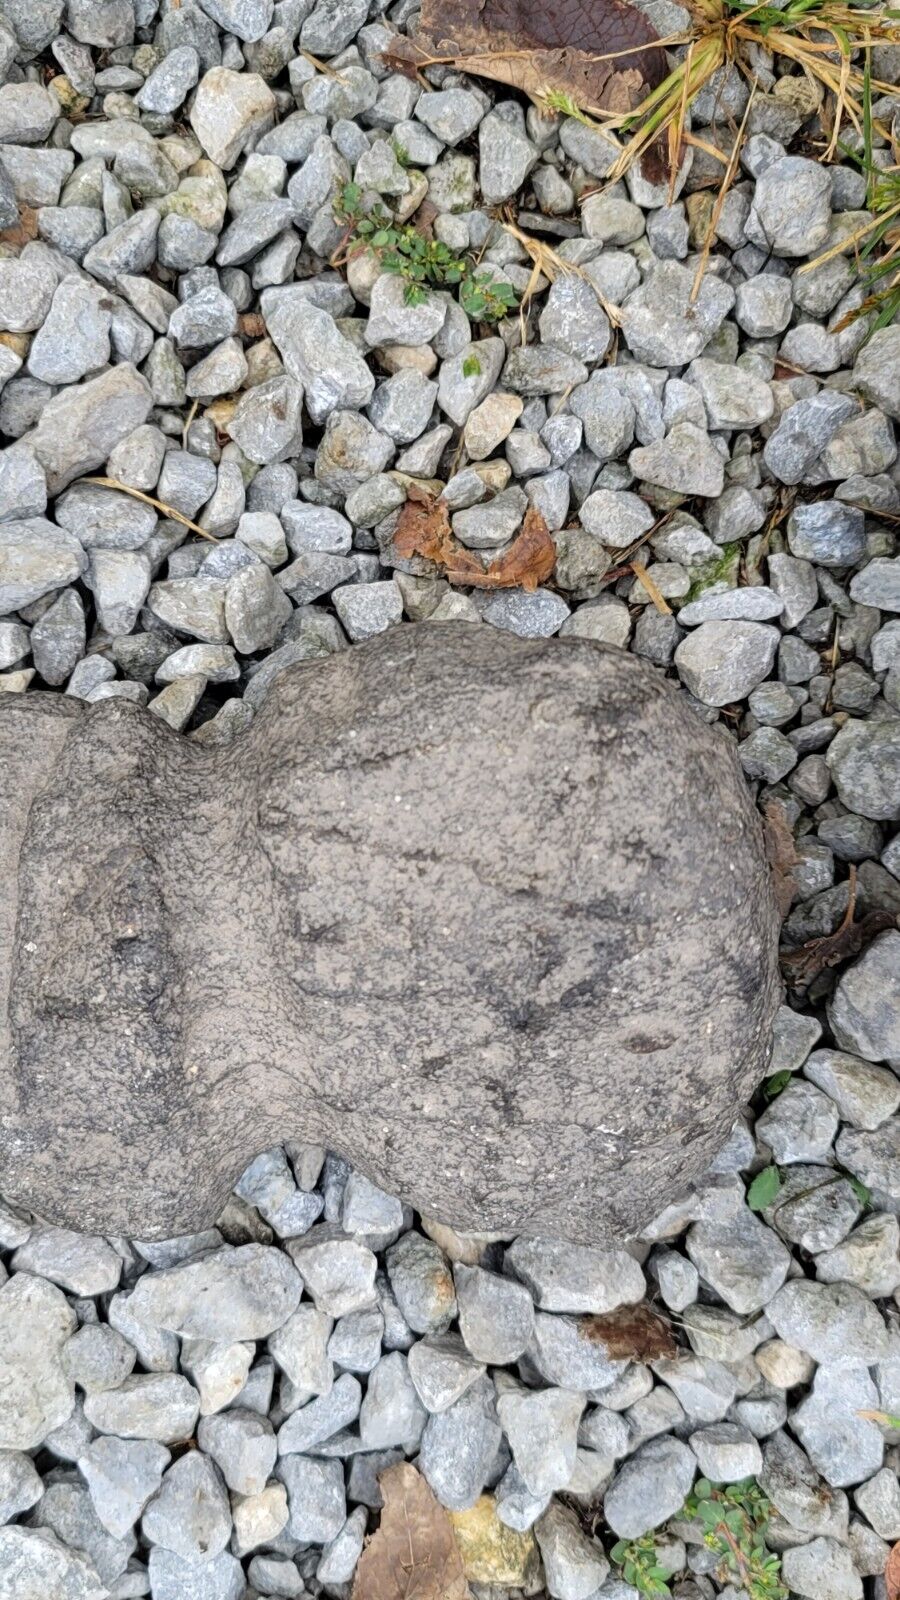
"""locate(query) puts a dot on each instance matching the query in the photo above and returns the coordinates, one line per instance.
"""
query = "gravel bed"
(206, 1418)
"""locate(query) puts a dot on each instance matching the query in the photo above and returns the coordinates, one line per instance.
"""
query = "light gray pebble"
(122, 1476)
(459, 1446)
(316, 1498)
(649, 1488)
(542, 1428)
(723, 661)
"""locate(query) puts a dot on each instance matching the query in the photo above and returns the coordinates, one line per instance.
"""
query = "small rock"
(722, 662)
(649, 1488)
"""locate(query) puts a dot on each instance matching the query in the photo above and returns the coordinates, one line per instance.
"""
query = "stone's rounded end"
(489, 916)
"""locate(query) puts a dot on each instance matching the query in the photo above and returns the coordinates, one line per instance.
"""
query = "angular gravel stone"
(661, 323)
(864, 761)
(243, 1447)
(36, 557)
(442, 1369)
(822, 1570)
(570, 1277)
(574, 1565)
(338, 1272)
(230, 110)
(34, 1562)
(726, 1453)
(190, 1515)
(876, 372)
(741, 1259)
(833, 1323)
(649, 1488)
(865, 1095)
(97, 1357)
(80, 426)
(38, 1395)
(316, 353)
(161, 1406)
(542, 1429)
(800, 1125)
(496, 1315)
(391, 1412)
(300, 1347)
(873, 1157)
(122, 1476)
(843, 1445)
(459, 1447)
(242, 1293)
(721, 662)
(316, 1500)
(74, 339)
(172, 1578)
(827, 532)
(686, 462)
(393, 321)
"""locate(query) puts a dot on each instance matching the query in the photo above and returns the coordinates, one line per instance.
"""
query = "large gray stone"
(115, 949)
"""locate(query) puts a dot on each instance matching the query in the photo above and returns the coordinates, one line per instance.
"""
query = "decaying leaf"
(414, 1554)
(631, 1333)
(424, 530)
(781, 853)
(892, 1573)
(604, 56)
(803, 965)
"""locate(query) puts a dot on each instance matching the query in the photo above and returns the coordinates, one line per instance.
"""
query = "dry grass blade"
(323, 67)
(187, 423)
(644, 578)
(151, 500)
(726, 183)
(819, 37)
(549, 262)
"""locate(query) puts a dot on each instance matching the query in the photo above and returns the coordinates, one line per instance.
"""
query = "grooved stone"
(168, 948)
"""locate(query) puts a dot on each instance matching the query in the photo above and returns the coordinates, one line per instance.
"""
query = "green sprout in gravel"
(421, 262)
(734, 1521)
(640, 1565)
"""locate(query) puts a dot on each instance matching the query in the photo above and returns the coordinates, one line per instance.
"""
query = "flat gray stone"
(36, 557)
(190, 1515)
(243, 1293)
(80, 426)
(34, 1562)
(177, 1155)
(38, 1394)
(122, 1475)
(649, 1488)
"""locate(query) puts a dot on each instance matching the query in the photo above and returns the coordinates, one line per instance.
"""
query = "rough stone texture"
(178, 919)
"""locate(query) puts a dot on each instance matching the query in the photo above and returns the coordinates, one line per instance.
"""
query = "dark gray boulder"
(489, 916)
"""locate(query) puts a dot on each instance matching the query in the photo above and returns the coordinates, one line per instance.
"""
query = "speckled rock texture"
(443, 908)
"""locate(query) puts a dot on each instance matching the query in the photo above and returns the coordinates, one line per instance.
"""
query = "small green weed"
(640, 1566)
(471, 367)
(422, 263)
(734, 1521)
(776, 1085)
(764, 1188)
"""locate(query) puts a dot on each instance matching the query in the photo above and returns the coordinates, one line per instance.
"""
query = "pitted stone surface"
(468, 852)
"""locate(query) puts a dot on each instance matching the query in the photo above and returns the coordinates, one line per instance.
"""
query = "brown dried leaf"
(423, 529)
(892, 1573)
(414, 1554)
(605, 54)
(802, 966)
(631, 1333)
(781, 854)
